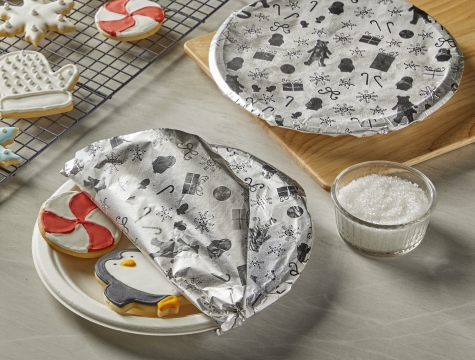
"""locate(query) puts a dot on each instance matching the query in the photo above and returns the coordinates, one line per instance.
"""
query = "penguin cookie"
(8, 157)
(71, 223)
(129, 20)
(130, 282)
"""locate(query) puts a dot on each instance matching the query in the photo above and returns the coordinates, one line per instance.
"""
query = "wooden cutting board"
(449, 128)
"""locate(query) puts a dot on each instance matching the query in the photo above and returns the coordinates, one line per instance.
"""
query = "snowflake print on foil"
(203, 222)
(293, 53)
(137, 153)
(367, 97)
(348, 25)
(326, 121)
(426, 35)
(430, 91)
(357, 51)
(113, 161)
(293, 5)
(159, 138)
(261, 16)
(244, 47)
(343, 109)
(385, 2)
(255, 263)
(301, 41)
(394, 42)
(363, 12)
(209, 163)
(417, 49)
(343, 38)
(289, 233)
(395, 12)
(411, 65)
(252, 30)
(319, 32)
(267, 99)
(378, 110)
(261, 201)
(258, 74)
(319, 78)
(276, 250)
(240, 167)
(346, 83)
(245, 195)
(164, 213)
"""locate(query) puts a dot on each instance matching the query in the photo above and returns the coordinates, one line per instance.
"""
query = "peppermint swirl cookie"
(71, 223)
(129, 20)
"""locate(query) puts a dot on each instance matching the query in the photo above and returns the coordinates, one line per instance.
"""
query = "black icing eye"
(115, 264)
(131, 256)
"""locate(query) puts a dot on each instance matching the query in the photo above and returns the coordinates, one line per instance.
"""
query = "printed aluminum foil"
(230, 231)
(336, 67)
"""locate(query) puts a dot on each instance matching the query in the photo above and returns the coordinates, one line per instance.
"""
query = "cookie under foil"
(336, 67)
(230, 231)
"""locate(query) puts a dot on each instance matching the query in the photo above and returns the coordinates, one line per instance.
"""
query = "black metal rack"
(105, 66)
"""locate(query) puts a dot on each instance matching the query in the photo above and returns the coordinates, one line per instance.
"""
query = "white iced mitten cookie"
(129, 20)
(29, 88)
(35, 17)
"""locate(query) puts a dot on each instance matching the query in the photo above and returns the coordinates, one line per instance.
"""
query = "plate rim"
(46, 265)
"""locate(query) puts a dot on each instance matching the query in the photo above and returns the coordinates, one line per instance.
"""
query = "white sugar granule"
(387, 200)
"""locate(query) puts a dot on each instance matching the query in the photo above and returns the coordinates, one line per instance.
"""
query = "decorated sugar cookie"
(35, 17)
(130, 281)
(129, 20)
(73, 224)
(29, 88)
(8, 157)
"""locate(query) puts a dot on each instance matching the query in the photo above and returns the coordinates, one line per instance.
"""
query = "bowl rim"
(420, 219)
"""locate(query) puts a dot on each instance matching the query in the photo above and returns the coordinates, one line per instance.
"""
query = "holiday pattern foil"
(336, 67)
(229, 230)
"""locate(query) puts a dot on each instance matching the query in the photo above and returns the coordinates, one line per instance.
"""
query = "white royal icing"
(27, 83)
(35, 16)
(143, 276)
(143, 24)
(77, 240)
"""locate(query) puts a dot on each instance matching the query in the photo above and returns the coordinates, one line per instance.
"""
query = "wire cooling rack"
(105, 66)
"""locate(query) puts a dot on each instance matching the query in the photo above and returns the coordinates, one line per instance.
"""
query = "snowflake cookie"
(35, 18)
(28, 87)
(8, 157)
(129, 20)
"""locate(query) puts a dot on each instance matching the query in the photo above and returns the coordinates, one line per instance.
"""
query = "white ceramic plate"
(71, 281)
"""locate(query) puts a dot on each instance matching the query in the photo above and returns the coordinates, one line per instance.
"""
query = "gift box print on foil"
(230, 231)
(336, 67)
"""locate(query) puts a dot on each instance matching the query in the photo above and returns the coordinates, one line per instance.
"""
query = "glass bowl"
(377, 239)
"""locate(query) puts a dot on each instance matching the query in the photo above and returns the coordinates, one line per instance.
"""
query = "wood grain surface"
(449, 128)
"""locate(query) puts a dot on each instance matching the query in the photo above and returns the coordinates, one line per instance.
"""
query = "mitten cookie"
(35, 18)
(130, 281)
(73, 224)
(129, 20)
(29, 88)
(8, 157)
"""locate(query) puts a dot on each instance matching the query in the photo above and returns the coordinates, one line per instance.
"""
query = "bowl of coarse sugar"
(382, 208)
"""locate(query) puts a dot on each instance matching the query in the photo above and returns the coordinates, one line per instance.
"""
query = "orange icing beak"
(128, 263)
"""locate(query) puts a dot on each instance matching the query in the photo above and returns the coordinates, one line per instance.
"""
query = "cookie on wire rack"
(129, 20)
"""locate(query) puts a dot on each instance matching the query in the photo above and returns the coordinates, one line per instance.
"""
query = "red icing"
(113, 27)
(81, 205)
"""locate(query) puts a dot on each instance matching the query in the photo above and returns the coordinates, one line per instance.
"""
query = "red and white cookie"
(71, 223)
(129, 20)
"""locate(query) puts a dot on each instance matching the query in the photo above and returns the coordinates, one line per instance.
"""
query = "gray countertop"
(418, 306)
